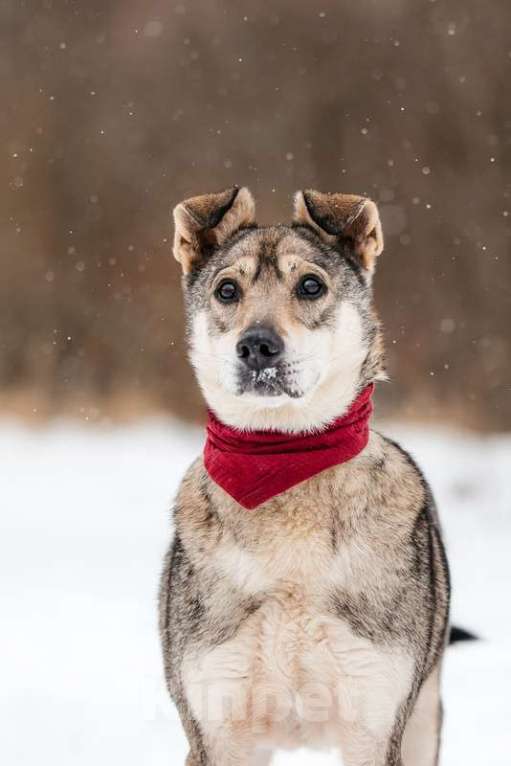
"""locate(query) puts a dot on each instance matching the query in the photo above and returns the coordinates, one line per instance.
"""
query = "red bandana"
(254, 466)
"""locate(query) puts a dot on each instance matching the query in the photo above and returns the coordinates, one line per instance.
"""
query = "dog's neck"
(308, 414)
(255, 466)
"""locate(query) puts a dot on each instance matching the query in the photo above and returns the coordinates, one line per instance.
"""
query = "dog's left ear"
(343, 218)
(202, 223)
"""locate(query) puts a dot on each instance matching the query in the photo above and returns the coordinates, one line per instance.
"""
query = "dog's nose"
(260, 347)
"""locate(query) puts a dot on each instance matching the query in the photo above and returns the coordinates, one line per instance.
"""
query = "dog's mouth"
(270, 381)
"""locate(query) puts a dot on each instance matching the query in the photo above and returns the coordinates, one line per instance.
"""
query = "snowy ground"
(83, 528)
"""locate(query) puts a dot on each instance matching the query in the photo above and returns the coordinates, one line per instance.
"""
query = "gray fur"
(377, 511)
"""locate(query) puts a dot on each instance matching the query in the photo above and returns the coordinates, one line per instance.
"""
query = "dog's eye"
(227, 291)
(310, 287)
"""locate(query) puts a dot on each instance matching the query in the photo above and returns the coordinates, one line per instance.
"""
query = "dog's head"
(281, 326)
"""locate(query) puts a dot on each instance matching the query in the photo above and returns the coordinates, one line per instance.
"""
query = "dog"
(298, 611)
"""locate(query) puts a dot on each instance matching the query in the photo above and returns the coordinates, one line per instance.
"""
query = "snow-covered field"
(84, 523)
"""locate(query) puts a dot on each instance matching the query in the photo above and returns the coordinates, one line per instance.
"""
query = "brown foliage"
(114, 110)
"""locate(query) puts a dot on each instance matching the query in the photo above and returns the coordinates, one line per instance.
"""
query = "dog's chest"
(307, 543)
(294, 675)
(290, 668)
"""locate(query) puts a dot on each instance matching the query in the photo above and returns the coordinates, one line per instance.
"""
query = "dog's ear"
(202, 223)
(343, 218)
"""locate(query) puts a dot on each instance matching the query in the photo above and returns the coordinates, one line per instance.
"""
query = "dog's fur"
(319, 618)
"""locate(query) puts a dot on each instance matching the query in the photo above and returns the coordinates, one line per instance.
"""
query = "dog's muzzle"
(260, 351)
(260, 348)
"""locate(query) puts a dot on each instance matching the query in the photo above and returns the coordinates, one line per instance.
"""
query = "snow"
(83, 529)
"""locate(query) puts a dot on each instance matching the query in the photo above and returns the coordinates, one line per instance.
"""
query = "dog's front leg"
(196, 759)
(227, 747)
(218, 697)
(359, 748)
(414, 740)
(259, 758)
(421, 740)
(373, 723)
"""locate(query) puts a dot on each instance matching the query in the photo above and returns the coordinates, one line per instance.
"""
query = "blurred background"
(115, 110)
(112, 111)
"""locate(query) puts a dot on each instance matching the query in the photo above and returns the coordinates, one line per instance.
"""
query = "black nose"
(260, 347)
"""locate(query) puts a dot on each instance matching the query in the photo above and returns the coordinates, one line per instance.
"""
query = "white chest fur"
(294, 673)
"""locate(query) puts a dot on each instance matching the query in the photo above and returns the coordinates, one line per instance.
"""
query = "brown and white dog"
(319, 618)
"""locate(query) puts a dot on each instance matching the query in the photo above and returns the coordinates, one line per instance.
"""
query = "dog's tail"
(457, 635)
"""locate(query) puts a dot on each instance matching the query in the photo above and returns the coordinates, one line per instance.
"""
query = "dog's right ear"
(345, 218)
(202, 223)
